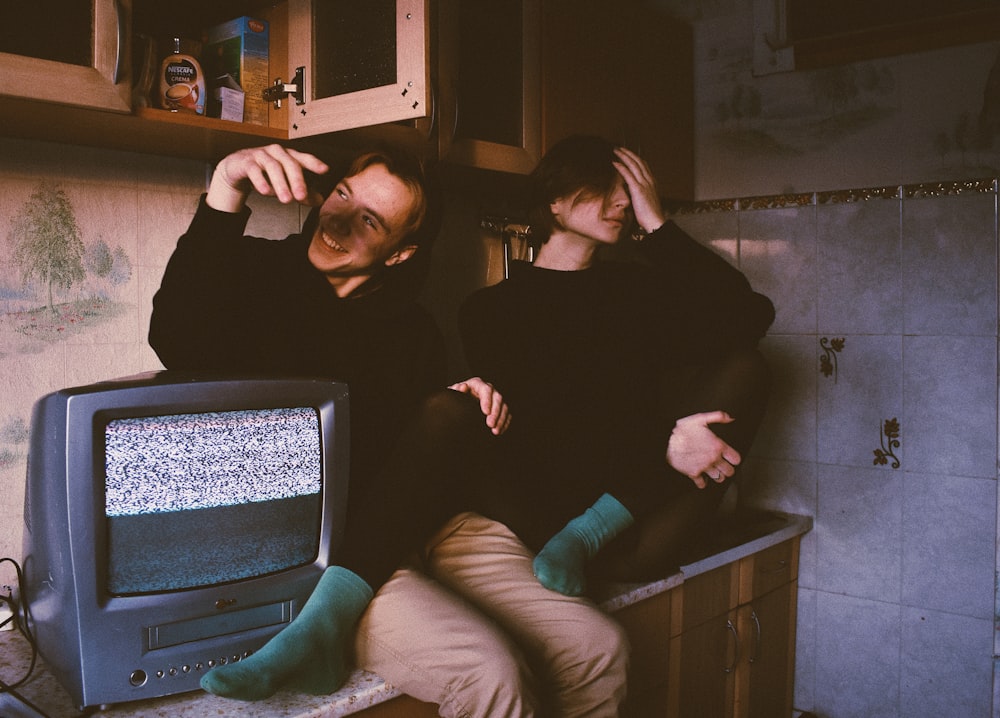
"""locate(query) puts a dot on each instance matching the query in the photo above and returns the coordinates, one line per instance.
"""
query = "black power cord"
(20, 615)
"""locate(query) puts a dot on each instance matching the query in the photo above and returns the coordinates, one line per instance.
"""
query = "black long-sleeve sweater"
(245, 304)
(586, 360)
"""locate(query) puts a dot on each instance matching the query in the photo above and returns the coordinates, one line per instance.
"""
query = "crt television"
(175, 522)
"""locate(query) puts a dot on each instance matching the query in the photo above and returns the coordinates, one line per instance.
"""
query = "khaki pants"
(470, 628)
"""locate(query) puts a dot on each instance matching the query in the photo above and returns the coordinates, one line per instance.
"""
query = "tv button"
(137, 678)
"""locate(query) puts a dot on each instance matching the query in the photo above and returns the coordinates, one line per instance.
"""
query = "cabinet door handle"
(120, 46)
(736, 647)
(432, 120)
(756, 641)
(456, 107)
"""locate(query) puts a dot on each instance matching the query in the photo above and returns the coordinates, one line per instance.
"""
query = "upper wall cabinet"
(489, 92)
(515, 76)
(343, 64)
(69, 53)
(362, 63)
(484, 84)
(624, 71)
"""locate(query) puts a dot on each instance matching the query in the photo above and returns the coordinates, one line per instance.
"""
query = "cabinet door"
(704, 660)
(767, 627)
(95, 75)
(625, 71)
(488, 84)
(364, 63)
(647, 624)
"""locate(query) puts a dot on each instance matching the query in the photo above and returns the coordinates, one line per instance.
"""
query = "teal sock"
(309, 655)
(561, 563)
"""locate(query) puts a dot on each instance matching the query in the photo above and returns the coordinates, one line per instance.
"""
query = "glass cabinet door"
(363, 63)
(489, 67)
(70, 53)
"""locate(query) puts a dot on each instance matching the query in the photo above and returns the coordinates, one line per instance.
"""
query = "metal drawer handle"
(756, 641)
(736, 653)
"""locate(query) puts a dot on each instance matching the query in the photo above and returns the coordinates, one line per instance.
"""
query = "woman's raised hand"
(641, 188)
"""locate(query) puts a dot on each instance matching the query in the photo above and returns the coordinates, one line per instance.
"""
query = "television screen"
(172, 481)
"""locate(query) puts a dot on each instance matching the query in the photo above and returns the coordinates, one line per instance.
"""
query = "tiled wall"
(884, 428)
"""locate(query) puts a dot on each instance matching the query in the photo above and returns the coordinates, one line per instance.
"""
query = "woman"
(637, 384)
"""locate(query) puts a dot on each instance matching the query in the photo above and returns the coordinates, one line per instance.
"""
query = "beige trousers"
(470, 628)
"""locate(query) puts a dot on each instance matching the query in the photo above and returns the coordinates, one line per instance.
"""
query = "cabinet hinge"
(280, 90)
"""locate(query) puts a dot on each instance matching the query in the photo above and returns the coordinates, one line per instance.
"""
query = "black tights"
(444, 451)
(681, 514)
(422, 483)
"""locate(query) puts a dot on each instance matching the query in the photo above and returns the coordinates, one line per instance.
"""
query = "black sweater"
(588, 359)
(245, 304)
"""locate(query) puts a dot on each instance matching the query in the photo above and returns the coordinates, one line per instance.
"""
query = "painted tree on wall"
(46, 240)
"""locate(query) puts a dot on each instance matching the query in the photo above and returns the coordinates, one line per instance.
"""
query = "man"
(335, 300)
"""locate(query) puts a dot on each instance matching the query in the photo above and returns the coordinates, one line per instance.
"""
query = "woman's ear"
(401, 255)
(556, 209)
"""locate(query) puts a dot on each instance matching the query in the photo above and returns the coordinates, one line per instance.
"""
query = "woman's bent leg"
(677, 516)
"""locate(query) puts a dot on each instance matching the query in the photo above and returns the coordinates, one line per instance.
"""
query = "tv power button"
(138, 678)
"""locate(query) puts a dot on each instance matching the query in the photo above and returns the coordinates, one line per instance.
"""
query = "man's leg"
(579, 654)
(428, 642)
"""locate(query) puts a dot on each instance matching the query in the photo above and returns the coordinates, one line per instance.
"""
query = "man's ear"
(401, 255)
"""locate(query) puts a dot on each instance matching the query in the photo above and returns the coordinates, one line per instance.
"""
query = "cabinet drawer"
(765, 571)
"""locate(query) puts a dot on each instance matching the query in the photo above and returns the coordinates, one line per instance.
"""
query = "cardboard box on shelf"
(239, 48)
(227, 99)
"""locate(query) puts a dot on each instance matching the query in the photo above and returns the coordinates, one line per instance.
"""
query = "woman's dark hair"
(581, 163)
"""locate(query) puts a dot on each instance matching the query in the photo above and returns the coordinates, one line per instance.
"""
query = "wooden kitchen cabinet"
(487, 85)
(516, 76)
(624, 71)
(364, 63)
(732, 652)
(36, 101)
(647, 624)
(91, 72)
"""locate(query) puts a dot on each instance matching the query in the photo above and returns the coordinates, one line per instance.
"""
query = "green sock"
(309, 655)
(561, 563)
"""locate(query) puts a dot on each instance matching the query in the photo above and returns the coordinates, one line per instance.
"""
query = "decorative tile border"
(778, 201)
(857, 195)
(910, 191)
(945, 189)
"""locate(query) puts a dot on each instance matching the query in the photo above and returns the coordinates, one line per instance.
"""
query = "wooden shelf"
(149, 131)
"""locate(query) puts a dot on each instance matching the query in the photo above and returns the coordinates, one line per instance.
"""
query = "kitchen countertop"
(738, 537)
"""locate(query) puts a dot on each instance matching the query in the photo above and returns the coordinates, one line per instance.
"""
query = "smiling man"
(336, 301)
